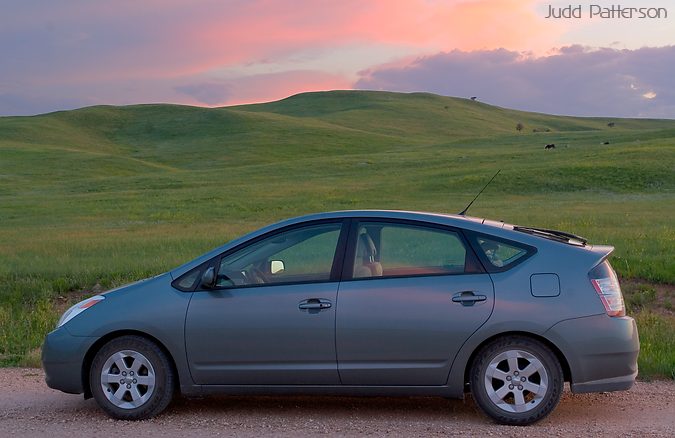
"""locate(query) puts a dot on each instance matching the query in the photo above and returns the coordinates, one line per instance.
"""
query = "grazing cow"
(549, 146)
(605, 142)
(474, 97)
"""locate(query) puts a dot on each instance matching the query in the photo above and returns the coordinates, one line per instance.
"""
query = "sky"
(65, 54)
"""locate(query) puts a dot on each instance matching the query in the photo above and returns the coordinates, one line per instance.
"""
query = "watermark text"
(616, 12)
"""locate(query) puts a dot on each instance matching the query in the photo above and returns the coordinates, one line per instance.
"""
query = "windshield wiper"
(553, 234)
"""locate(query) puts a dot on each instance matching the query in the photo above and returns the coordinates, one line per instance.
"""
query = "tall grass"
(657, 345)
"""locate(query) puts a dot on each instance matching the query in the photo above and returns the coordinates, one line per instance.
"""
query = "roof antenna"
(470, 203)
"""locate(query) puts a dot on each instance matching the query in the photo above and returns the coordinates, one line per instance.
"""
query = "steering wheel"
(256, 275)
(231, 278)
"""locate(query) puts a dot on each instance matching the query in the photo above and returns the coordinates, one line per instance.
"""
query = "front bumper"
(601, 351)
(62, 358)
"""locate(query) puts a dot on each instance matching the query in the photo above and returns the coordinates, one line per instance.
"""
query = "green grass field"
(97, 197)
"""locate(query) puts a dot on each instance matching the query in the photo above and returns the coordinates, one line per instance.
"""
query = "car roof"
(424, 216)
(380, 213)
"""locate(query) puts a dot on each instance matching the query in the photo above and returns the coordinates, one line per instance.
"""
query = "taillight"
(606, 284)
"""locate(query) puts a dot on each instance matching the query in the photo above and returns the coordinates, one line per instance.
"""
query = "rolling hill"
(103, 195)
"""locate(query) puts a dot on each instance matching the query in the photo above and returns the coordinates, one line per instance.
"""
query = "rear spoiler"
(602, 251)
(598, 253)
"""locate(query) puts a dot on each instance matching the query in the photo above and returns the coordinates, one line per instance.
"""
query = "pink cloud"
(177, 38)
(265, 29)
(177, 50)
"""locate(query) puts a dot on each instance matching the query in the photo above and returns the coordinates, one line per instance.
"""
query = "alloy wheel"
(128, 379)
(516, 381)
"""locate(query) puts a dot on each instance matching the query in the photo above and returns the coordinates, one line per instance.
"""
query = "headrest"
(366, 247)
(368, 243)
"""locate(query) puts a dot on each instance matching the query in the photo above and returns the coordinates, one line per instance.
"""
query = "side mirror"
(208, 278)
(276, 266)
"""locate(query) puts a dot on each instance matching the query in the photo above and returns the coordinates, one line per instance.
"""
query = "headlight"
(79, 308)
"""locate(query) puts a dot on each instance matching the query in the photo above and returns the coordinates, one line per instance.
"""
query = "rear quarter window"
(500, 254)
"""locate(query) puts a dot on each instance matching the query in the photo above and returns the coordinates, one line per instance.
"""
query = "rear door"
(411, 294)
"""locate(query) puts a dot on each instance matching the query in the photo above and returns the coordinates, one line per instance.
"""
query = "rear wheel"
(516, 380)
(131, 378)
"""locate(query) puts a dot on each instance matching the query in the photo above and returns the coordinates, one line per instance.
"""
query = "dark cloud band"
(575, 81)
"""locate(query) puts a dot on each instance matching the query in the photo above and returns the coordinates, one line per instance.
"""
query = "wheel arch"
(91, 353)
(567, 375)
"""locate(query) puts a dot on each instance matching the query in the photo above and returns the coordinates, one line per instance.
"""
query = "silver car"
(360, 303)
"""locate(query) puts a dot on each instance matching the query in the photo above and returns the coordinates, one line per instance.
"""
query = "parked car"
(360, 303)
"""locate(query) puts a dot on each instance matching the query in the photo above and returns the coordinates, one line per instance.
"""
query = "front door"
(270, 318)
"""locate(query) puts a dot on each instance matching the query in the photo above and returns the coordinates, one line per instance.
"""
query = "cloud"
(98, 50)
(216, 52)
(90, 41)
(208, 93)
(13, 104)
(263, 87)
(575, 81)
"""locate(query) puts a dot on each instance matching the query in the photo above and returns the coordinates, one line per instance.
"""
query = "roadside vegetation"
(95, 198)
(652, 307)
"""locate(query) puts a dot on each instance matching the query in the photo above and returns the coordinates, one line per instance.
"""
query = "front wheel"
(131, 378)
(516, 380)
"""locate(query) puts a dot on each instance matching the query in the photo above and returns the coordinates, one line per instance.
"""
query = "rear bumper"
(620, 383)
(62, 358)
(601, 352)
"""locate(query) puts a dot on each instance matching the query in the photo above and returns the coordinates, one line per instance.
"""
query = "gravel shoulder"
(29, 408)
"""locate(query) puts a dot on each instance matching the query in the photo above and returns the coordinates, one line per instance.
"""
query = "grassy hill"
(100, 196)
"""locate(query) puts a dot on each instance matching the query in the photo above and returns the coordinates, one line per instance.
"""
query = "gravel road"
(28, 408)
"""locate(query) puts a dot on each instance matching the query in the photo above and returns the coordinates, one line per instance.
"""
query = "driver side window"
(298, 255)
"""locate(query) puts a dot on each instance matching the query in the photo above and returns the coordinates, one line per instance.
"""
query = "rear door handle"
(314, 304)
(467, 298)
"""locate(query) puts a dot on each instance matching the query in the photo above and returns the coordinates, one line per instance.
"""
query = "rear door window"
(386, 249)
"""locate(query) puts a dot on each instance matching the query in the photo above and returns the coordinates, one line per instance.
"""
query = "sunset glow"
(215, 53)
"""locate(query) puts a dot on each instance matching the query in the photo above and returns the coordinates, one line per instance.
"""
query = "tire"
(131, 378)
(516, 380)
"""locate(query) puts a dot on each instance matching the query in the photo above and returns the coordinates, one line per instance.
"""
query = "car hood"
(133, 286)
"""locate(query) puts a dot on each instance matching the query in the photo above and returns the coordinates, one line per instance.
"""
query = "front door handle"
(314, 304)
(468, 298)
